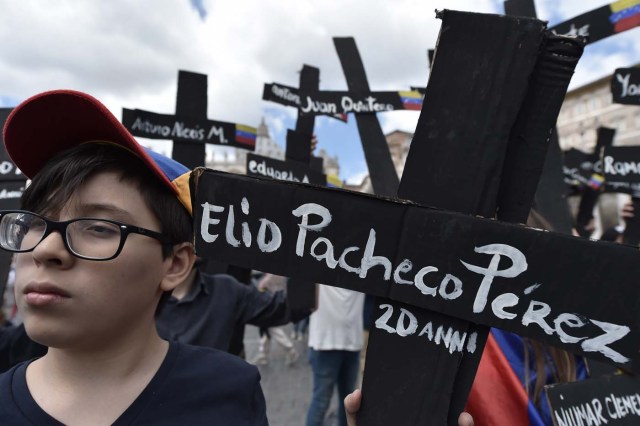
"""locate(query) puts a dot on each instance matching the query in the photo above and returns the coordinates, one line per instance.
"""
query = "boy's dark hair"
(58, 180)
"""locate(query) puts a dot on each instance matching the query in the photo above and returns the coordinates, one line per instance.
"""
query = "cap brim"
(54, 121)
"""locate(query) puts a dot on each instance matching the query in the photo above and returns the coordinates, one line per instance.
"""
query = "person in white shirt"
(335, 341)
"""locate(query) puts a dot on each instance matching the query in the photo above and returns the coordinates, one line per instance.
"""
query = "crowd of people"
(120, 324)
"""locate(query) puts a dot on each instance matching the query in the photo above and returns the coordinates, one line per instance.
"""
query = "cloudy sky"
(128, 53)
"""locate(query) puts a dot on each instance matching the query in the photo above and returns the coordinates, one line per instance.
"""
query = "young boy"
(103, 234)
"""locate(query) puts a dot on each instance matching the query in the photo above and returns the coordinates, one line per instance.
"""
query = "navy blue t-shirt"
(193, 386)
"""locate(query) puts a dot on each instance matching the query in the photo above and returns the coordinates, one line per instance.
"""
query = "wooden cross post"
(189, 127)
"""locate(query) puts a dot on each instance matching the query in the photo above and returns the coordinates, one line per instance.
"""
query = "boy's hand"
(352, 406)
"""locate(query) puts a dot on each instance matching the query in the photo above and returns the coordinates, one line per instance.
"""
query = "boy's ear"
(180, 264)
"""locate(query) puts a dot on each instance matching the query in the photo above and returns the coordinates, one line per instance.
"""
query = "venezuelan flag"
(246, 135)
(596, 181)
(334, 181)
(498, 396)
(411, 99)
(625, 14)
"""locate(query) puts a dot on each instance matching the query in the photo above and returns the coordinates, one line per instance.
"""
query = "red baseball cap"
(54, 121)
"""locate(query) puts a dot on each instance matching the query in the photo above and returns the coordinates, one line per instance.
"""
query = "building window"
(619, 123)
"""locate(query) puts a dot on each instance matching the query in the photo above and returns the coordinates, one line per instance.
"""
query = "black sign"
(12, 184)
(12, 181)
(8, 170)
(10, 194)
(292, 171)
(571, 292)
(338, 103)
(579, 169)
(612, 400)
(162, 126)
(290, 96)
(625, 86)
(602, 22)
(621, 168)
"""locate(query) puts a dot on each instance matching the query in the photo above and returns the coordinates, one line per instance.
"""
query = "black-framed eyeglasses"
(85, 237)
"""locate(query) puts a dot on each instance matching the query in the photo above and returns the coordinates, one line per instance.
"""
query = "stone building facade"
(399, 142)
(584, 110)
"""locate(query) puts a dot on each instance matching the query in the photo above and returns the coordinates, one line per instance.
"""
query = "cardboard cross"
(550, 198)
(603, 22)
(591, 192)
(379, 376)
(621, 173)
(583, 169)
(360, 101)
(336, 103)
(189, 127)
(584, 174)
(12, 184)
(611, 400)
(455, 264)
(595, 25)
(625, 86)
(299, 164)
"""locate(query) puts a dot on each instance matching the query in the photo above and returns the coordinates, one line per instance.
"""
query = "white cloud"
(128, 53)
(357, 178)
(399, 120)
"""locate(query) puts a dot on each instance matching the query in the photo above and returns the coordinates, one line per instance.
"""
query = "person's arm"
(264, 308)
(352, 406)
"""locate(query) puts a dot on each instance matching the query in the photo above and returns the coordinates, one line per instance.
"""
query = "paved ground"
(287, 389)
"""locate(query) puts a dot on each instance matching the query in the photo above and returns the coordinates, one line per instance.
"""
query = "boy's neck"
(88, 379)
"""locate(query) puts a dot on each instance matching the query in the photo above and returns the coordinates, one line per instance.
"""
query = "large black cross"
(433, 259)
(512, 201)
(189, 128)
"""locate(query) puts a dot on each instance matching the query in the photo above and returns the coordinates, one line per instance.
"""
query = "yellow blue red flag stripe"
(411, 99)
(625, 14)
(246, 135)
